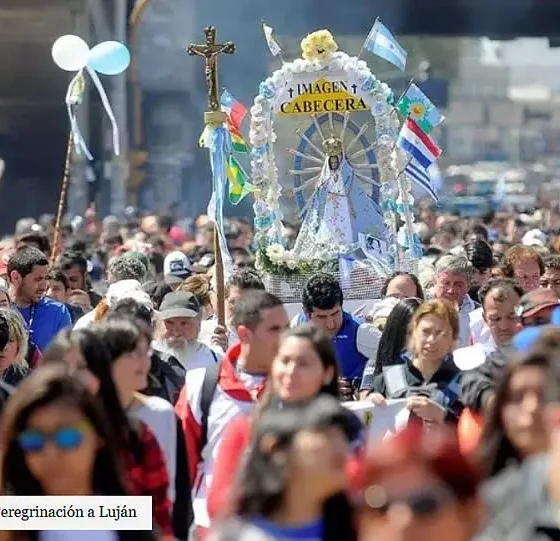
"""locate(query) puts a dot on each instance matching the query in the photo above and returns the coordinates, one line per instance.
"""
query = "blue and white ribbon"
(217, 141)
(108, 109)
(74, 96)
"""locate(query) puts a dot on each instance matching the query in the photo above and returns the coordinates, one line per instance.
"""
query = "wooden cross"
(210, 51)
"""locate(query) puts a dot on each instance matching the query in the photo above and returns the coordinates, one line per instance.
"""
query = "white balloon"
(70, 53)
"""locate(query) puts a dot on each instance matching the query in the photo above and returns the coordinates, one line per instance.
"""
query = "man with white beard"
(180, 316)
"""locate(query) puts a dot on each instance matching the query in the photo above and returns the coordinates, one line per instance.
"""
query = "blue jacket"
(351, 362)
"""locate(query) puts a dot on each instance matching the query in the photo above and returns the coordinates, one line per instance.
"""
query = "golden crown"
(333, 146)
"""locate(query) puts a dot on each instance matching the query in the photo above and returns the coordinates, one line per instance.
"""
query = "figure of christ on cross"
(214, 117)
(210, 51)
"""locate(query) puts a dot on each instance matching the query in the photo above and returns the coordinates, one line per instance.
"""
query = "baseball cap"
(524, 340)
(176, 267)
(555, 319)
(533, 302)
(534, 237)
(179, 304)
(128, 289)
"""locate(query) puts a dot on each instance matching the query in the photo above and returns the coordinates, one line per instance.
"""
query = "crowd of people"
(117, 378)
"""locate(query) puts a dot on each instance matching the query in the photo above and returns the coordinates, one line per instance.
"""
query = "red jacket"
(235, 442)
(231, 399)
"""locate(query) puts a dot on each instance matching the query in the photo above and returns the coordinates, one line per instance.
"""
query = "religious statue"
(339, 209)
(333, 149)
(210, 51)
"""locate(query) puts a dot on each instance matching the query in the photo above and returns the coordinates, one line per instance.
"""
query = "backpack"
(170, 376)
(209, 385)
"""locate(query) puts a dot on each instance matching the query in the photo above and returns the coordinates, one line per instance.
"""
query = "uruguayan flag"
(381, 42)
(421, 177)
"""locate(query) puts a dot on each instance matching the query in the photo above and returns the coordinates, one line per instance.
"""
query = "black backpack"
(209, 385)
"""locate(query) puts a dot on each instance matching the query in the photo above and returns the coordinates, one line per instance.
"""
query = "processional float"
(351, 179)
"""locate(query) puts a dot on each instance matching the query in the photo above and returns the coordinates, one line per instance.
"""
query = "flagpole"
(404, 197)
(405, 90)
(364, 44)
(395, 110)
(397, 247)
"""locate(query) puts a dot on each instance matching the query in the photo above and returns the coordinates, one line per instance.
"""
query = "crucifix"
(214, 116)
(210, 51)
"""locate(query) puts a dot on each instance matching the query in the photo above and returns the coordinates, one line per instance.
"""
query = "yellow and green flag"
(239, 186)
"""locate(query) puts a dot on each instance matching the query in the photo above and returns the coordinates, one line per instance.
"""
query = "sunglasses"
(423, 502)
(65, 439)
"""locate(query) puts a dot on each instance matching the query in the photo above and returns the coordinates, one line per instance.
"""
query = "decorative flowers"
(319, 54)
(318, 46)
(275, 252)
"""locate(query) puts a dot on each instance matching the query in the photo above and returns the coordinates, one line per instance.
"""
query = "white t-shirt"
(85, 321)
(158, 414)
(207, 330)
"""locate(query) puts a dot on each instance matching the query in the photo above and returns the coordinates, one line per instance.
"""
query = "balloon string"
(72, 101)
(108, 109)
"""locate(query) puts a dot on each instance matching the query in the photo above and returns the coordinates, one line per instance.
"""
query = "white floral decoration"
(275, 252)
(264, 171)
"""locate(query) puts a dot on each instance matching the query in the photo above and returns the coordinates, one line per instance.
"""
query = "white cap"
(176, 267)
(382, 309)
(128, 289)
(534, 237)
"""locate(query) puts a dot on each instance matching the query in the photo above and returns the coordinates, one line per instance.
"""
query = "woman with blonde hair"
(13, 351)
(199, 285)
(428, 378)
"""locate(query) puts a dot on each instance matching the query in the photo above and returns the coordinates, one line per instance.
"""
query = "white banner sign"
(319, 93)
(381, 421)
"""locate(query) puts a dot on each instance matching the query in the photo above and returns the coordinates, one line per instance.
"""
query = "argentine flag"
(382, 43)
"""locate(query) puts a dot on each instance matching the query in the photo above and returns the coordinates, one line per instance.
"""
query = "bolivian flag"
(239, 186)
(237, 142)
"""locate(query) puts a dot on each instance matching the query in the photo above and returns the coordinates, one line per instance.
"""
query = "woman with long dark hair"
(87, 358)
(515, 428)
(393, 341)
(54, 409)
(128, 342)
(305, 367)
(293, 479)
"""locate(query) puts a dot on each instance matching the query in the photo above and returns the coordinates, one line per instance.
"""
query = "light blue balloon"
(109, 58)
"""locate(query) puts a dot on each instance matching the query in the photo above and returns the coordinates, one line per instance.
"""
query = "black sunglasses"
(422, 502)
